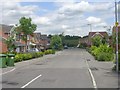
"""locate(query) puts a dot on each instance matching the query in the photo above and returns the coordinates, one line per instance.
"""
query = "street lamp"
(116, 28)
(90, 27)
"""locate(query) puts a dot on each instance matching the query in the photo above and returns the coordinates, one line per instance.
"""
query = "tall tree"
(26, 27)
(56, 42)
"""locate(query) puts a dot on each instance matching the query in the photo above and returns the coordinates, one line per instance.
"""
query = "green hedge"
(102, 53)
(49, 52)
(27, 56)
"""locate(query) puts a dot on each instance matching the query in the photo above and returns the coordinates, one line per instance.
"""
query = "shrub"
(39, 54)
(27, 56)
(102, 53)
(49, 52)
(34, 55)
(53, 51)
(18, 57)
(105, 56)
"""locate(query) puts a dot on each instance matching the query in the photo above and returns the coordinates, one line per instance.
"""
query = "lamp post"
(90, 27)
(116, 28)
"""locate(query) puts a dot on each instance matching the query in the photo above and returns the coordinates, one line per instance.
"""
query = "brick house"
(84, 40)
(114, 35)
(36, 40)
(93, 34)
(4, 34)
(42, 41)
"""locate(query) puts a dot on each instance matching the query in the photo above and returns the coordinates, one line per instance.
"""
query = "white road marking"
(31, 81)
(8, 71)
(93, 79)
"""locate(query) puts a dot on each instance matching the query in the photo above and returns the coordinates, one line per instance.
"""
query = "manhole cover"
(93, 68)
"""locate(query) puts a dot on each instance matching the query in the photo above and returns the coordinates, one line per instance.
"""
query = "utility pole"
(116, 28)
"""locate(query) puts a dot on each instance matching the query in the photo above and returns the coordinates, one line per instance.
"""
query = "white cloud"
(42, 20)
(93, 20)
(12, 11)
(65, 26)
(69, 17)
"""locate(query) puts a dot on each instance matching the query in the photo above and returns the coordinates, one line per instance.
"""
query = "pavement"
(65, 69)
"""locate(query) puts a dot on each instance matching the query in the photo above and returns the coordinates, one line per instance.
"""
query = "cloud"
(93, 20)
(42, 20)
(69, 17)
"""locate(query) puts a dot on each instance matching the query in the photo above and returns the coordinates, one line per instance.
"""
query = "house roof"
(103, 34)
(44, 37)
(5, 28)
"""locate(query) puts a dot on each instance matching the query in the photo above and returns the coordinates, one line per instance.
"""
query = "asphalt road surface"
(67, 69)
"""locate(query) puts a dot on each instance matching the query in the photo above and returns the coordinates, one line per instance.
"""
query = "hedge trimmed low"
(28, 56)
(49, 52)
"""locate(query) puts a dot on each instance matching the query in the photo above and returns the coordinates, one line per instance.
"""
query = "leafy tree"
(56, 42)
(70, 41)
(10, 41)
(26, 27)
(104, 40)
(97, 41)
(49, 36)
(10, 44)
(62, 38)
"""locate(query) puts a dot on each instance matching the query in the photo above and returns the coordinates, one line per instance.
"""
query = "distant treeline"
(70, 41)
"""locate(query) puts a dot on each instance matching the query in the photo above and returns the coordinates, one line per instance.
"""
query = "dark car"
(65, 47)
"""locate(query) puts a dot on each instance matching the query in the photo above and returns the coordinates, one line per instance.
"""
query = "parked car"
(33, 50)
(65, 47)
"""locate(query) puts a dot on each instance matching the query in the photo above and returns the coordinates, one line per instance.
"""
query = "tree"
(10, 44)
(62, 38)
(10, 41)
(26, 27)
(97, 41)
(56, 42)
(104, 40)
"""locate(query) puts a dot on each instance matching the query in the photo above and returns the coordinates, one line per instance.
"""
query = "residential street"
(65, 69)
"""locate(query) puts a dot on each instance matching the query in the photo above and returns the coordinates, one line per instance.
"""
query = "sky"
(73, 17)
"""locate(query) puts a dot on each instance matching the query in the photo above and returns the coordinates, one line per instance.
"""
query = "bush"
(49, 52)
(39, 54)
(102, 53)
(105, 57)
(18, 58)
(27, 56)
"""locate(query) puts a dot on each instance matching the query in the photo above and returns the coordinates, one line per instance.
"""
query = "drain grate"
(94, 68)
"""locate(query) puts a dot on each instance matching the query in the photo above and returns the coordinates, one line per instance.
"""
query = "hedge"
(49, 52)
(28, 56)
